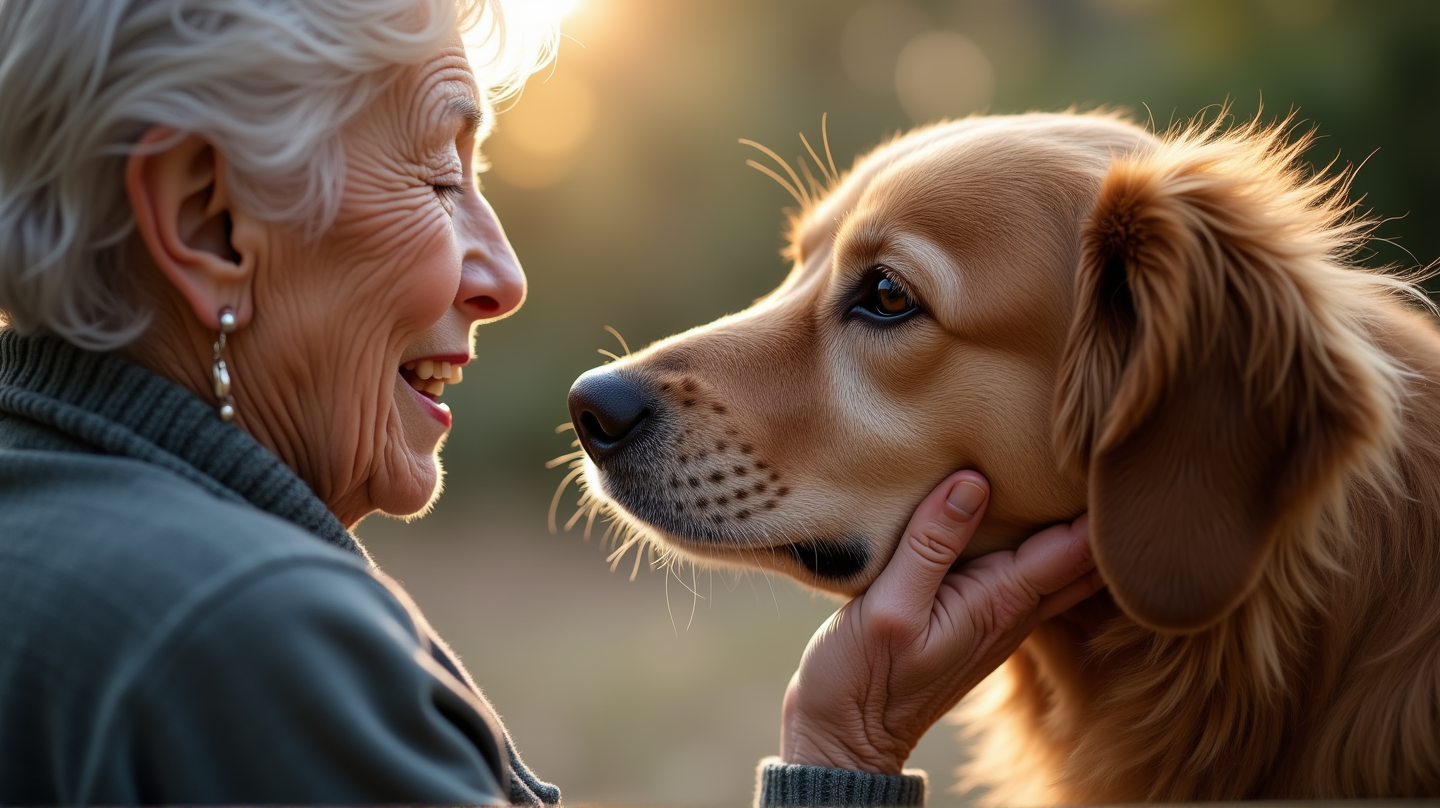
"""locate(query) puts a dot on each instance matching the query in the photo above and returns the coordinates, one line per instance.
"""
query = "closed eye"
(449, 193)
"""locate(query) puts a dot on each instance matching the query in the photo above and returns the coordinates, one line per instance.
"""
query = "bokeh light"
(535, 142)
(942, 74)
(872, 40)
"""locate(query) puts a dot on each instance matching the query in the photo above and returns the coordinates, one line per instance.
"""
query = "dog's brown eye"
(890, 299)
(882, 298)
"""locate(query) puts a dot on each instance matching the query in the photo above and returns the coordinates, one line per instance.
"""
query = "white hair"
(270, 83)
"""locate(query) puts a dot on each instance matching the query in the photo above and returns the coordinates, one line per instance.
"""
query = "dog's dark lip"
(832, 560)
(835, 560)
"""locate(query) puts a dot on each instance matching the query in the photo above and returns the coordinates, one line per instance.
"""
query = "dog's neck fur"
(1324, 682)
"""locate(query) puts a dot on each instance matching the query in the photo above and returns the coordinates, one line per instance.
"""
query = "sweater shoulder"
(96, 548)
(98, 553)
(120, 518)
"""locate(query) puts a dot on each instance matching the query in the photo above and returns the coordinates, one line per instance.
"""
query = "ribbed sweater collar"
(120, 408)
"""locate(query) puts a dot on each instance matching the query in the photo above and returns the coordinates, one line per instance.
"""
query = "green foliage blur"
(623, 187)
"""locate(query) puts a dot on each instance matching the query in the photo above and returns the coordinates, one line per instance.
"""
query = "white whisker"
(815, 186)
(590, 520)
(623, 343)
(796, 189)
(675, 562)
(787, 186)
(819, 165)
(580, 511)
(634, 571)
(770, 581)
(668, 610)
(695, 601)
(555, 500)
(825, 134)
(619, 553)
(550, 464)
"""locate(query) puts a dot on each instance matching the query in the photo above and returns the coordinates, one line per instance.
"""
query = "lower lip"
(438, 411)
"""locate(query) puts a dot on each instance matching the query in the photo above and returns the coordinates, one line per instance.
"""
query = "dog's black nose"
(607, 410)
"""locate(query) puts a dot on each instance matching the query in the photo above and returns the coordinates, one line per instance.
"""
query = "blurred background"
(620, 180)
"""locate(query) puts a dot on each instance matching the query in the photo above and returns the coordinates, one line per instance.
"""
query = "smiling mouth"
(428, 377)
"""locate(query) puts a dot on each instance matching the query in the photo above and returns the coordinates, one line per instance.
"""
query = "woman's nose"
(492, 284)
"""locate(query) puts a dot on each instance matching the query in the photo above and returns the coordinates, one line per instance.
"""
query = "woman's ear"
(1218, 383)
(187, 220)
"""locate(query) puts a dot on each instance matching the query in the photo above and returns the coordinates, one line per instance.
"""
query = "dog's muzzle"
(678, 463)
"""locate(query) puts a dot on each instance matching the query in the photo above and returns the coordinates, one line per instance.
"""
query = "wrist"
(808, 747)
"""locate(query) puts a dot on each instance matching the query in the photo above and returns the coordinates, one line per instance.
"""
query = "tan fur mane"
(1236, 257)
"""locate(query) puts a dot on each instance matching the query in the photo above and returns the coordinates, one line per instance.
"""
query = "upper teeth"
(430, 369)
(431, 376)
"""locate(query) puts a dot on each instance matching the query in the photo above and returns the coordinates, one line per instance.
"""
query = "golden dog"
(1163, 331)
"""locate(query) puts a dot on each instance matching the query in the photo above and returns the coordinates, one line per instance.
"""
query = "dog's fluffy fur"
(1164, 331)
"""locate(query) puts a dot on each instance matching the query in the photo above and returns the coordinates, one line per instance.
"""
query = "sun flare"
(537, 13)
(530, 31)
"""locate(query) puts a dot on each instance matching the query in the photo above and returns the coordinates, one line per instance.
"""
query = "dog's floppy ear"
(1218, 381)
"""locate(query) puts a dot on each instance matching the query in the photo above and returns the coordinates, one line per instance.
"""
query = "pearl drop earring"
(220, 373)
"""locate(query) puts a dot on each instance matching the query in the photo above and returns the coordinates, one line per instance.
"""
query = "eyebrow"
(471, 116)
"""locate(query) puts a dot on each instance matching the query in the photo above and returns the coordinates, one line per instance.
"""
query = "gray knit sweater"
(182, 620)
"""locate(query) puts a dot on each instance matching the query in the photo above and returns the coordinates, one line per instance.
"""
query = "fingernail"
(967, 497)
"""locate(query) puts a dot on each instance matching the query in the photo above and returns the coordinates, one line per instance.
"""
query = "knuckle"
(933, 543)
(982, 620)
(887, 627)
(1012, 601)
(886, 624)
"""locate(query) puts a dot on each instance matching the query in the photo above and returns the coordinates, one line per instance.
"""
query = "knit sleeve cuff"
(789, 785)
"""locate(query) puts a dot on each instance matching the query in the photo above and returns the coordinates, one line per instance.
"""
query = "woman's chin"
(410, 487)
(412, 479)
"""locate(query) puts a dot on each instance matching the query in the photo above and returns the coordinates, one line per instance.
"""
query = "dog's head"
(1090, 316)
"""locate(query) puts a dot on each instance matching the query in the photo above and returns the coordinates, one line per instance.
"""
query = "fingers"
(937, 533)
(1058, 602)
(1055, 557)
(1047, 574)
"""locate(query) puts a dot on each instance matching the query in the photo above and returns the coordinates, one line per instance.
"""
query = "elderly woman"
(241, 255)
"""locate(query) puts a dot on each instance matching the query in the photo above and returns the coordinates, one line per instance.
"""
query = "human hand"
(892, 661)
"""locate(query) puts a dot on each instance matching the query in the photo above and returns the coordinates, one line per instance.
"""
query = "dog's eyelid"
(896, 277)
(891, 271)
(882, 297)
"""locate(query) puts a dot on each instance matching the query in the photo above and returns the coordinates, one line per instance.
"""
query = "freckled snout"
(609, 410)
(673, 456)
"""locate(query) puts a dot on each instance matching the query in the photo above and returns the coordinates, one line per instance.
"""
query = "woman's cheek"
(430, 278)
(442, 276)
(407, 241)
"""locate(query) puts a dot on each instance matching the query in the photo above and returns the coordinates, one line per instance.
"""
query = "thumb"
(931, 543)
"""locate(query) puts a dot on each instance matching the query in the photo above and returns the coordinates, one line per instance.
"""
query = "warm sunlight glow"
(531, 27)
(536, 141)
(537, 13)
